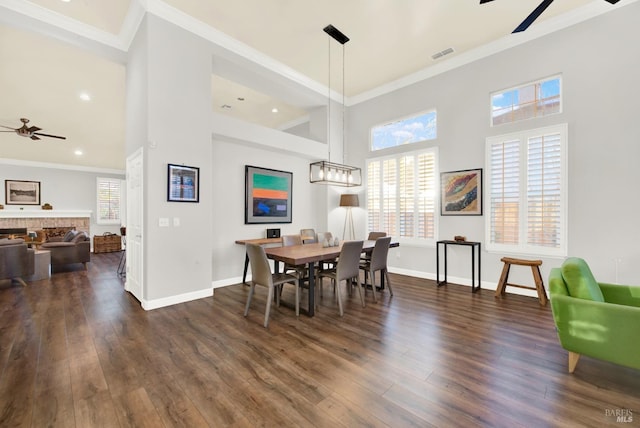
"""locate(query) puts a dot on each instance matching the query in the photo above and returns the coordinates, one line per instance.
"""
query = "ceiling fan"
(536, 13)
(30, 131)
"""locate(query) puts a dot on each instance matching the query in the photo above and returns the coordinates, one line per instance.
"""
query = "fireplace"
(11, 231)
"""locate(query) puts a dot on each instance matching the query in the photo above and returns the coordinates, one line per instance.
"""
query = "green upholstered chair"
(593, 318)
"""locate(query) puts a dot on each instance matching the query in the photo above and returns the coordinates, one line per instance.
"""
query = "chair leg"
(252, 288)
(573, 361)
(268, 310)
(360, 291)
(297, 285)
(373, 286)
(20, 281)
(386, 276)
(339, 300)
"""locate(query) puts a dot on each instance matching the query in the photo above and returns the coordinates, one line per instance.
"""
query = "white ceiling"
(392, 43)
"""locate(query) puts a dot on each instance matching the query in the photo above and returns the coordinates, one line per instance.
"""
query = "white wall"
(600, 92)
(65, 189)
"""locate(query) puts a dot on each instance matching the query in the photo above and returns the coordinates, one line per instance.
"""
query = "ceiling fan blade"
(33, 137)
(48, 135)
(612, 1)
(8, 127)
(533, 16)
(485, 1)
(33, 129)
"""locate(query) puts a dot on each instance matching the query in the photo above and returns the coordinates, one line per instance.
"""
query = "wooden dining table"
(309, 255)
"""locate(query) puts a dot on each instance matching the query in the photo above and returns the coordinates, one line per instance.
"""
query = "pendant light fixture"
(327, 172)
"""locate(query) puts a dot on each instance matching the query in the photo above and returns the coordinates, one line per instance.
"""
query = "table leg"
(246, 267)
(312, 293)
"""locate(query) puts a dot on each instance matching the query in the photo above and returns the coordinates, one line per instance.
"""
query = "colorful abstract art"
(461, 192)
(267, 195)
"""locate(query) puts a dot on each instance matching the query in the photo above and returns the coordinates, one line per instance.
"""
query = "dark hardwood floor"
(78, 351)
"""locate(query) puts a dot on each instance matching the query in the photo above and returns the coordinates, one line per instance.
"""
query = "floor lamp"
(349, 201)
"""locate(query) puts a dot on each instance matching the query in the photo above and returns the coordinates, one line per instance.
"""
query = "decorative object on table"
(32, 235)
(459, 238)
(47, 207)
(349, 200)
(273, 233)
(327, 172)
(19, 192)
(267, 196)
(336, 242)
(461, 192)
(183, 183)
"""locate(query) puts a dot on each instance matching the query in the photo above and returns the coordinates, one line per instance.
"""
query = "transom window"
(526, 181)
(401, 195)
(540, 98)
(405, 131)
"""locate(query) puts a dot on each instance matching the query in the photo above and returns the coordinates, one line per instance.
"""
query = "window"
(534, 99)
(401, 195)
(527, 179)
(109, 197)
(404, 131)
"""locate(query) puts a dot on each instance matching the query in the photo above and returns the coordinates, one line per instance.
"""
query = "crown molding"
(19, 162)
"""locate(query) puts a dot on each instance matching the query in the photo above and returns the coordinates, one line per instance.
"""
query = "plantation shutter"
(108, 200)
(426, 197)
(544, 191)
(373, 196)
(505, 192)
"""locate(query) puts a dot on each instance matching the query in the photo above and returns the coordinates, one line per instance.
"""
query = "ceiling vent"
(440, 54)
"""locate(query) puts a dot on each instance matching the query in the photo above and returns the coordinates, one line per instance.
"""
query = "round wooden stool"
(535, 270)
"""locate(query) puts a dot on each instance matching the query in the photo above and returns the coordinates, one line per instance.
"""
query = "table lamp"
(32, 235)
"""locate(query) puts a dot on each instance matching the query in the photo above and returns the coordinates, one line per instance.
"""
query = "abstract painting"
(461, 192)
(267, 195)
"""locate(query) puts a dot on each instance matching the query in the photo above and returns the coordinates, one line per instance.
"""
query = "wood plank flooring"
(79, 351)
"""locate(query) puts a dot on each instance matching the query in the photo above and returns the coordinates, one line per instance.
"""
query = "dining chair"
(372, 237)
(299, 271)
(308, 236)
(377, 262)
(347, 270)
(261, 275)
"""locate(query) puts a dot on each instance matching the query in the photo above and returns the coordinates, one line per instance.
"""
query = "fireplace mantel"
(45, 213)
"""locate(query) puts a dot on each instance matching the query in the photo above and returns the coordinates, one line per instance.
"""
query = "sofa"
(593, 318)
(73, 247)
(16, 260)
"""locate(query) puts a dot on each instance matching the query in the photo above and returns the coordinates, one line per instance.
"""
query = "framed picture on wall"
(18, 192)
(267, 195)
(183, 183)
(461, 192)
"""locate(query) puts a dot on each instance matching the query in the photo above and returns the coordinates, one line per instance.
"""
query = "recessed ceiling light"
(85, 96)
(225, 106)
(274, 110)
(66, 1)
(78, 152)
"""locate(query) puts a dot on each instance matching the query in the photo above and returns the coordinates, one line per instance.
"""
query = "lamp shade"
(349, 200)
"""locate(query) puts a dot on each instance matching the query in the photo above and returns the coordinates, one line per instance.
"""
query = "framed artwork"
(461, 192)
(267, 195)
(18, 192)
(183, 183)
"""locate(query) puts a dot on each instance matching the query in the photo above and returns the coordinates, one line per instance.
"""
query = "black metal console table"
(473, 246)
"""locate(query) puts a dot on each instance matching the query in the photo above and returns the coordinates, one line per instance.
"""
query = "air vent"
(440, 54)
(225, 106)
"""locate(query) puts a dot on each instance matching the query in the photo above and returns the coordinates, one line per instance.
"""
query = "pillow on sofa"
(580, 280)
(68, 237)
(79, 237)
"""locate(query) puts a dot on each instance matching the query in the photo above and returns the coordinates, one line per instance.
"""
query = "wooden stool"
(535, 269)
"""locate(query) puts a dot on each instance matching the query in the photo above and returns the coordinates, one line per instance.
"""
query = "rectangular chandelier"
(335, 174)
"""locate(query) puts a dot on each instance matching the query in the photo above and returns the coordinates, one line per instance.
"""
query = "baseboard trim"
(148, 305)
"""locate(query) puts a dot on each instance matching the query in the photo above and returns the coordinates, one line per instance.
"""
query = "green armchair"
(595, 319)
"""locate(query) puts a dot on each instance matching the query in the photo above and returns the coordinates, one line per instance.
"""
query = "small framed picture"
(461, 192)
(183, 183)
(17, 192)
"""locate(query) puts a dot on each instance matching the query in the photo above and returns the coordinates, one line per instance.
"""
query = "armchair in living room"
(593, 318)
(16, 260)
(74, 247)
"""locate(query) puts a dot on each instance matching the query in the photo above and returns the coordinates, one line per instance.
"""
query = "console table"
(473, 246)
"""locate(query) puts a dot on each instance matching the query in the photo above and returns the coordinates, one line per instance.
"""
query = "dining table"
(309, 255)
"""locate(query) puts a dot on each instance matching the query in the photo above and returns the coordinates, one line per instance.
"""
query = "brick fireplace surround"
(35, 220)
